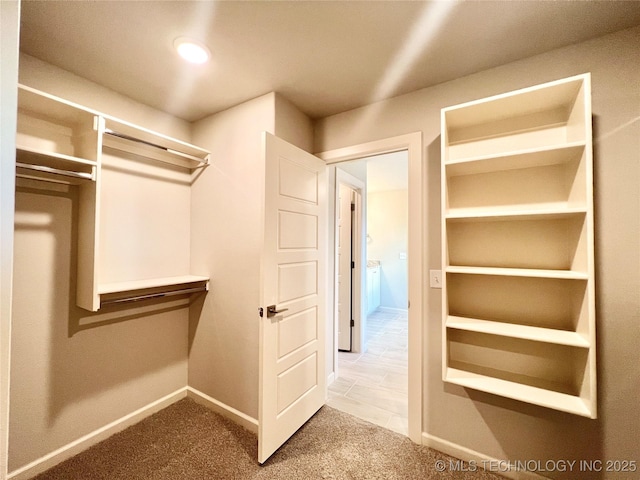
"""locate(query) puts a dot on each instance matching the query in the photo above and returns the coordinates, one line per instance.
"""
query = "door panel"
(297, 330)
(297, 280)
(292, 344)
(345, 272)
(297, 230)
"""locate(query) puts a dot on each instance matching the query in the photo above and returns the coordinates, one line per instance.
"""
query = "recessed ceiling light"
(191, 50)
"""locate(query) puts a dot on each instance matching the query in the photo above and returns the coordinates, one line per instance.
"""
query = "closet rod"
(55, 171)
(155, 295)
(124, 136)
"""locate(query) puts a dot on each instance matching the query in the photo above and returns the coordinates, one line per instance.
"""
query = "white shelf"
(56, 167)
(525, 332)
(487, 214)
(59, 160)
(513, 160)
(44, 105)
(151, 289)
(519, 391)
(126, 136)
(179, 281)
(519, 272)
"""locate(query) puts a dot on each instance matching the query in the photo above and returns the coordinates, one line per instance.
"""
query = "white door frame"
(359, 253)
(411, 142)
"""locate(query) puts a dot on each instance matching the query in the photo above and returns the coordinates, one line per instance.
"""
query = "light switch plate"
(435, 278)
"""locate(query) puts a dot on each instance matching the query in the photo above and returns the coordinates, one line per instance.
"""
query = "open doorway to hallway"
(372, 380)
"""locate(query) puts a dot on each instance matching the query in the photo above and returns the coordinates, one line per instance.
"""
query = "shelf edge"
(523, 332)
(518, 391)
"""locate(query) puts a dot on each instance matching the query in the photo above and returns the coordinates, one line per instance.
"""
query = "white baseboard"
(331, 378)
(63, 453)
(223, 409)
(494, 465)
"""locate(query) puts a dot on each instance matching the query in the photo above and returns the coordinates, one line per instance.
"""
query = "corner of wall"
(292, 125)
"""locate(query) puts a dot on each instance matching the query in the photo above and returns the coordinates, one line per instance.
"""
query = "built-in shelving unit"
(517, 236)
(56, 140)
(62, 142)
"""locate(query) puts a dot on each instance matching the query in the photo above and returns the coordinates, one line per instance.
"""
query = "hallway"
(373, 385)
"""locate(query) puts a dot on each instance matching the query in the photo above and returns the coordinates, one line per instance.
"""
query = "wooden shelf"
(537, 334)
(519, 391)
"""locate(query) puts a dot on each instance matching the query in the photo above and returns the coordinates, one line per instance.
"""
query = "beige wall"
(48, 78)
(387, 224)
(292, 125)
(502, 428)
(74, 372)
(9, 35)
(226, 243)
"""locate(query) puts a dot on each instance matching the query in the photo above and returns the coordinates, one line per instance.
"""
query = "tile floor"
(373, 385)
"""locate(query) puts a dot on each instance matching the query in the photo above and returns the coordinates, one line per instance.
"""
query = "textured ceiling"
(326, 57)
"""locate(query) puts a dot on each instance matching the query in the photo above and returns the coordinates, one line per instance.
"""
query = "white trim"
(9, 41)
(63, 453)
(411, 142)
(223, 409)
(494, 465)
(331, 378)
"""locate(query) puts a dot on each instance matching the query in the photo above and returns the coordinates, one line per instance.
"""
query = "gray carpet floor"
(188, 441)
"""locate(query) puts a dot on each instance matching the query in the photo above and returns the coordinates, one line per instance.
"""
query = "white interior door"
(293, 296)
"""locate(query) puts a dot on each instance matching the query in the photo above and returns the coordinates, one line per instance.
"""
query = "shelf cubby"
(50, 124)
(543, 302)
(531, 181)
(517, 246)
(547, 242)
(551, 366)
(533, 118)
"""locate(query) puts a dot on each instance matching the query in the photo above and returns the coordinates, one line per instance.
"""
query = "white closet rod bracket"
(203, 161)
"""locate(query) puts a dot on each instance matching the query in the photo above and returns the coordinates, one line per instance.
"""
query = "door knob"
(272, 311)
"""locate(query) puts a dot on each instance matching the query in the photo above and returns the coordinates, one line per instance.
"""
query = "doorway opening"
(371, 290)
